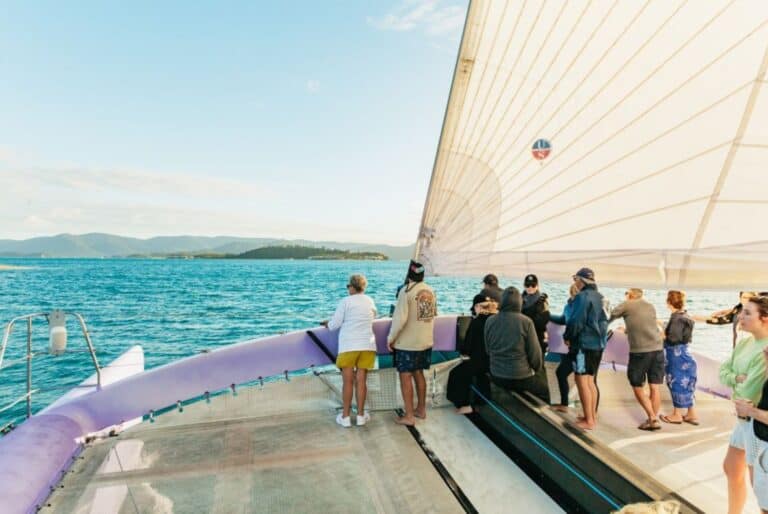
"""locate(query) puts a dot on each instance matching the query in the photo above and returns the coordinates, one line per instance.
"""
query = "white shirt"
(354, 316)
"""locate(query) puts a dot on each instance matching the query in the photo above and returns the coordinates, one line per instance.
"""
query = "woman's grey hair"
(358, 282)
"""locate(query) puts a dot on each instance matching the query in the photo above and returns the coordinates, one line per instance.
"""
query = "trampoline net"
(274, 448)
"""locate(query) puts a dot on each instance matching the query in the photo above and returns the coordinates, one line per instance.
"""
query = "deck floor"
(278, 449)
(685, 458)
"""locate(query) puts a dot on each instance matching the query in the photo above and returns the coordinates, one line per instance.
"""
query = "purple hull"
(33, 456)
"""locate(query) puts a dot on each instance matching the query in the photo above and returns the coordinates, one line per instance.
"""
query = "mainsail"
(627, 136)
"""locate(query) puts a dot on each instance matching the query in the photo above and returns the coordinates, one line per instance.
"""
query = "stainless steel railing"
(30, 354)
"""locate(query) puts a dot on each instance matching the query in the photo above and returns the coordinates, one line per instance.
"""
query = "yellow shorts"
(363, 359)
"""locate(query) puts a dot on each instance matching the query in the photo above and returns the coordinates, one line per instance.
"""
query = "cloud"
(428, 15)
(313, 86)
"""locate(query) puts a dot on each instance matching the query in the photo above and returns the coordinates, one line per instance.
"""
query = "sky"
(315, 120)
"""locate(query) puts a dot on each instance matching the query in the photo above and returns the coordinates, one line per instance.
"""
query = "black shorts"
(648, 365)
(586, 362)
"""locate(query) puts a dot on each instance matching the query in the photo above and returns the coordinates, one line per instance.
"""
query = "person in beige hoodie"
(410, 340)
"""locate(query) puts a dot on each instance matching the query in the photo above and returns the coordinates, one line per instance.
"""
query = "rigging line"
(759, 202)
(628, 154)
(439, 181)
(498, 68)
(557, 53)
(728, 163)
(597, 63)
(636, 88)
(753, 145)
(456, 85)
(618, 189)
(520, 84)
(614, 221)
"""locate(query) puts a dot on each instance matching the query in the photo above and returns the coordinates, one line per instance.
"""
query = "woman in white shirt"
(357, 347)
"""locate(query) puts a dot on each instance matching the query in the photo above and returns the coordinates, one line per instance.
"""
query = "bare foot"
(420, 413)
(581, 417)
(402, 420)
(467, 409)
(560, 408)
(582, 424)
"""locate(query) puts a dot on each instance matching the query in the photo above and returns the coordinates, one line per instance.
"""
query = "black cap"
(531, 281)
(416, 271)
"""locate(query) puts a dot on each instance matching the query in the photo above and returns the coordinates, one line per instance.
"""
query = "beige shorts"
(743, 438)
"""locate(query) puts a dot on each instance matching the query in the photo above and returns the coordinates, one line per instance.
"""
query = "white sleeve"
(338, 316)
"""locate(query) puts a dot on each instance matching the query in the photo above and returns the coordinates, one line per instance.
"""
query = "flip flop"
(666, 419)
(692, 421)
(649, 426)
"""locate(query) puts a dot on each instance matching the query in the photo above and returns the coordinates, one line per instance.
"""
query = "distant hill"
(108, 245)
(307, 252)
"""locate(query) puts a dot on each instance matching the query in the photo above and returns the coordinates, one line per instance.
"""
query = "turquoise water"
(176, 308)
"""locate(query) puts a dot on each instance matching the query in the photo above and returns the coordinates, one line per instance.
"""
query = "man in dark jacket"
(536, 307)
(513, 348)
(585, 333)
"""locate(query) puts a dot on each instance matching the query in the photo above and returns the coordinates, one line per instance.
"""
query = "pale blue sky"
(291, 119)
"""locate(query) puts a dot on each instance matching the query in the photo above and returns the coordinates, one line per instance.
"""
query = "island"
(294, 252)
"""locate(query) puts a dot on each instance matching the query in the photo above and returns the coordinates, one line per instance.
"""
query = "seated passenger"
(357, 347)
(476, 367)
(513, 349)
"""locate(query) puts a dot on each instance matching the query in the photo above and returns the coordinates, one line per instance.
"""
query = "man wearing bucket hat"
(585, 333)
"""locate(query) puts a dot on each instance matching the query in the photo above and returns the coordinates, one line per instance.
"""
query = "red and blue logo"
(541, 149)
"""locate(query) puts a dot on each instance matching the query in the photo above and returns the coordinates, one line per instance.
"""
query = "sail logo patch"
(541, 149)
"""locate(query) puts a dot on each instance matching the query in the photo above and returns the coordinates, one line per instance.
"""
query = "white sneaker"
(362, 420)
(341, 420)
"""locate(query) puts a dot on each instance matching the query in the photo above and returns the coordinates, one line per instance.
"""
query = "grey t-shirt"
(642, 330)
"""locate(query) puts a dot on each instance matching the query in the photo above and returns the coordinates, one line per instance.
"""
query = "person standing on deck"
(411, 340)
(729, 316)
(565, 368)
(681, 367)
(586, 333)
(759, 416)
(357, 347)
(745, 373)
(536, 307)
(491, 288)
(646, 353)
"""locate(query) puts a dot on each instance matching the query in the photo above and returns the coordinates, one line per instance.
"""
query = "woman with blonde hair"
(681, 371)
(357, 347)
(745, 373)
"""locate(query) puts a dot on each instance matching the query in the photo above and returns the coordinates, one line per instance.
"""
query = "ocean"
(177, 308)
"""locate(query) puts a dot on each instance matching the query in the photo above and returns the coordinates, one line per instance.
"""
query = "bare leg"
(644, 402)
(595, 396)
(421, 394)
(348, 378)
(362, 390)
(587, 402)
(655, 399)
(406, 388)
(735, 465)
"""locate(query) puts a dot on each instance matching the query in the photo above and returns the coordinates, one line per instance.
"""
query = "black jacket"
(539, 314)
(474, 343)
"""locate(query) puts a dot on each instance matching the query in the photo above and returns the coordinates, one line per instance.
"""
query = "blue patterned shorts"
(407, 360)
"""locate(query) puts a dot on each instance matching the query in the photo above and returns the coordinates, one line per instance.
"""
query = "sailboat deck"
(685, 458)
(278, 449)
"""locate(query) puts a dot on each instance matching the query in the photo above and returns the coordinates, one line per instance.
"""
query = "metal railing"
(30, 355)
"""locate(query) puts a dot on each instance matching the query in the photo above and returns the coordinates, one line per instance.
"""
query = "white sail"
(658, 124)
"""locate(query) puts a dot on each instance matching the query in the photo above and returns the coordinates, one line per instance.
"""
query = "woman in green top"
(745, 373)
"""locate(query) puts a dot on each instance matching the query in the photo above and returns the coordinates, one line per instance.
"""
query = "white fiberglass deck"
(278, 449)
(686, 458)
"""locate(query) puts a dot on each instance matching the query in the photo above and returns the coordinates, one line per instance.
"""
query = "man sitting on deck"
(646, 353)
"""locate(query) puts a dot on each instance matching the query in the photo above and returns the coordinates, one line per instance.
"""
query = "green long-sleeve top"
(746, 359)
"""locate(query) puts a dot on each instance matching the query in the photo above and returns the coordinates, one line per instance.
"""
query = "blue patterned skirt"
(681, 375)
